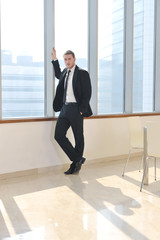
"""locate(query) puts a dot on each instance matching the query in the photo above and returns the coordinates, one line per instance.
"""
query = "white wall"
(31, 145)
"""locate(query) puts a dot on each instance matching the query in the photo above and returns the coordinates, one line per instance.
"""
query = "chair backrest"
(153, 138)
(135, 132)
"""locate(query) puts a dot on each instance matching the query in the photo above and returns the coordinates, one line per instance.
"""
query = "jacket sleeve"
(86, 92)
(56, 68)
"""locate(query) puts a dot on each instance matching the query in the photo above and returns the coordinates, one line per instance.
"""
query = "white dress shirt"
(69, 94)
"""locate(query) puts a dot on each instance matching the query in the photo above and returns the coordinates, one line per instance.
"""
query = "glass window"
(143, 56)
(71, 29)
(22, 55)
(110, 56)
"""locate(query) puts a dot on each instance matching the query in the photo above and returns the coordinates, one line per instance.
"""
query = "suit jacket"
(81, 88)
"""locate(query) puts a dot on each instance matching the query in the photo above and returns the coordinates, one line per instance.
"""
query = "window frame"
(48, 71)
(49, 28)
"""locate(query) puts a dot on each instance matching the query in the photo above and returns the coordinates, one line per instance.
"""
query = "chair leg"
(141, 163)
(144, 171)
(155, 177)
(126, 162)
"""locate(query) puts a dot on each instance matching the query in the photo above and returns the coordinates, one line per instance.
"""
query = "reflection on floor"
(97, 204)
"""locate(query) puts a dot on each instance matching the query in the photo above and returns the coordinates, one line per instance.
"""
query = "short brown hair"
(69, 52)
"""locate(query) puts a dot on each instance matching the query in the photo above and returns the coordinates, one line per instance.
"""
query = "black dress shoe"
(78, 165)
(82, 160)
(70, 170)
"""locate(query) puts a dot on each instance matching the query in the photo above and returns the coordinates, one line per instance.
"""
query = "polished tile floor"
(97, 204)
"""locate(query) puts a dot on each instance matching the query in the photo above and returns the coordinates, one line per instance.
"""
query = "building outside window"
(110, 56)
(143, 56)
(27, 85)
(22, 58)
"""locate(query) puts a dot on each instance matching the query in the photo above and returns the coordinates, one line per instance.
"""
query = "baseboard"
(114, 158)
(60, 168)
(18, 174)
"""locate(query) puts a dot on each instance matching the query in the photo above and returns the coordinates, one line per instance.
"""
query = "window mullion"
(48, 45)
(128, 55)
(93, 50)
(157, 56)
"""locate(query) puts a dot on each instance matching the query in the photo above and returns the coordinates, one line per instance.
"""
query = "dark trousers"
(70, 117)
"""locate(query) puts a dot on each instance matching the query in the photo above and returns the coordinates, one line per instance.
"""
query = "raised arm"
(53, 54)
(55, 63)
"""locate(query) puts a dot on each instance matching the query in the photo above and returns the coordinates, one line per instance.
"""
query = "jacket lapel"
(75, 77)
(62, 78)
(64, 73)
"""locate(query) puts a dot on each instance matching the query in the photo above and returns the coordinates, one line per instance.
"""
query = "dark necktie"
(65, 87)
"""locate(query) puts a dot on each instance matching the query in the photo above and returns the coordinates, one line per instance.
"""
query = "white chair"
(152, 147)
(136, 137)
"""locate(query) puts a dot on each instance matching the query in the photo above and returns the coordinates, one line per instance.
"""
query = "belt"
(70, 103)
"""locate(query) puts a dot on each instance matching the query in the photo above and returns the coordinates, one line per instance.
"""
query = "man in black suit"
(72, 98)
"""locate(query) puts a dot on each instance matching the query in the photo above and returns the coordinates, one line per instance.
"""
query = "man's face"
(69, 61)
